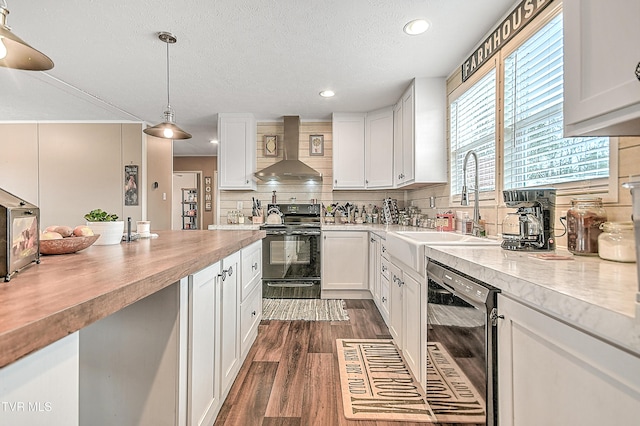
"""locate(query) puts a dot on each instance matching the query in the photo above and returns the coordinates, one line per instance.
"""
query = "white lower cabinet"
(550, 373)
(379, 274)
(229, 329)
(203, 393)
(407, 318)
(42, 388)
(251, 296)
(345, 258)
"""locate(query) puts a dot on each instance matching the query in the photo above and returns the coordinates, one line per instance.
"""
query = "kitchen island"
(120, 319)
(65, 293)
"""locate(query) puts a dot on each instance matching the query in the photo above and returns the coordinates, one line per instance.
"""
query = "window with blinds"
(535, 153)
(473, 127)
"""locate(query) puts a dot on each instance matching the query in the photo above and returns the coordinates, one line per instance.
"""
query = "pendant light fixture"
(167, 129)
(15, 52)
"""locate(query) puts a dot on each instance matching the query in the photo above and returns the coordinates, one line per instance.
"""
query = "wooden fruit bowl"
(67, 245)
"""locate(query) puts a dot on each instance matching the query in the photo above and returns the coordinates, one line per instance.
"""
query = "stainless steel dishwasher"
(461, 317)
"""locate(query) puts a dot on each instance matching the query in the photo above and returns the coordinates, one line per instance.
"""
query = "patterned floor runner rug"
(304, 309)
(378, 385)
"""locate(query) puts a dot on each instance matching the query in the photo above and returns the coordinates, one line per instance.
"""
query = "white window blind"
(535, 153)
(473, 127)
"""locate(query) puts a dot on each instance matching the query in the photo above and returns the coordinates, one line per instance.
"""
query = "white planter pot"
(110, 232)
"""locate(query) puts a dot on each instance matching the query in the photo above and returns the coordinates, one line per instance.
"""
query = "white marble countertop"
(594, 295)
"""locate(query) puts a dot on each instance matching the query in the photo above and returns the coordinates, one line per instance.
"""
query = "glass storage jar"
(583, 225)
(617, 242)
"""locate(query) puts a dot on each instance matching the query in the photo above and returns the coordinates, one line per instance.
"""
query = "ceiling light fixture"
(327, 93)
(17, 53)
(167, 129)
(417, 26)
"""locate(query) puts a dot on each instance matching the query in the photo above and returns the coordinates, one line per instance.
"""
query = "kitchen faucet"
(464, 200)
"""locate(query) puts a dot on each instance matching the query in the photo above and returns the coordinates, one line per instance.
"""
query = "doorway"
(184, 180)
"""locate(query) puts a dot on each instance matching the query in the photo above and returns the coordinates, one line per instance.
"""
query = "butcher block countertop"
(65, 293)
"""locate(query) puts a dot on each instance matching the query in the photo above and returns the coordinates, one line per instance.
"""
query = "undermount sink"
(408, 246)
(446, 238)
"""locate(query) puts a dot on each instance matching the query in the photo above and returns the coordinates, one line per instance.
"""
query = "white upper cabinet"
(236, 151)
(601, 67)
(420, 149)
(348, 151)
(379, 149)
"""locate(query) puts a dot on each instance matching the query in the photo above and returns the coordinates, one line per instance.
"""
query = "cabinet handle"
(247, 181)
(373, 241)
(638, 71)
(255, 266)
(253, 313)
(223, 275)
(384, 268)
(227, 272)
(335, 181)
(367, 182)
(384, 299)
(384, 249)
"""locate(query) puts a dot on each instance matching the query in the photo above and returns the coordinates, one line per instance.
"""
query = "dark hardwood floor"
(291, 377)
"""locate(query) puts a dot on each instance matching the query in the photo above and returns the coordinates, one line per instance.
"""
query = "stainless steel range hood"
(290, 168)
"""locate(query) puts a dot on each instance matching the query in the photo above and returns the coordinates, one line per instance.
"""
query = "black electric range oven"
(291, 253)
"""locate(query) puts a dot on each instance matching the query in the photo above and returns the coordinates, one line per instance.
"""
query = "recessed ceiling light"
(417, 26)
(327, 93)
(213, 141)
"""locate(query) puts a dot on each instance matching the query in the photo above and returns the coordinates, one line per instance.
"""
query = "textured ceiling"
(267, 57)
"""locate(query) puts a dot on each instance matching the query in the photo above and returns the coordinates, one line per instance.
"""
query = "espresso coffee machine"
(530, 227)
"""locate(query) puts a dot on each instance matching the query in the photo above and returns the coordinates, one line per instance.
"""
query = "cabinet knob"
(254, 313)
(384, 299)
(367, 182)
(247, 182)
(335, 181)
(384, 249)
(373, 241)
(384, 268)
(223, 275)
(254, 266)
(230, 270)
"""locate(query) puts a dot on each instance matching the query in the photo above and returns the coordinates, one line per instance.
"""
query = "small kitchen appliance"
(530, 227)
(20, 235)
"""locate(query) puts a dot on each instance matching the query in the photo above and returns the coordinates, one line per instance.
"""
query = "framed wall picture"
(270, 145)
(130, 185)
(316, 145)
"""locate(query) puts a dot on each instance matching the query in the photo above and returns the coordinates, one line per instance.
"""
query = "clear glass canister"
(583, 225)
(617, 242)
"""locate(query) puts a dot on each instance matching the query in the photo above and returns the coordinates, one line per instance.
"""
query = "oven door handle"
(305, 233)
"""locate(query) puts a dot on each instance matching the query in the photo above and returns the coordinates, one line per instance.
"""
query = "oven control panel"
(297, 209)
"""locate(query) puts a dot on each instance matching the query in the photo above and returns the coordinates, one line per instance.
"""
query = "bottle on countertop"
(273, 198)
(467, 224)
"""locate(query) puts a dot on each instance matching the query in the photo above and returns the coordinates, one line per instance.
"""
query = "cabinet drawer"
(384, 268)
(384, 299)
(251, 267)
(250, 316)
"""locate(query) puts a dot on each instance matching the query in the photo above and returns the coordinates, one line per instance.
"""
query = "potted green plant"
(105, 224)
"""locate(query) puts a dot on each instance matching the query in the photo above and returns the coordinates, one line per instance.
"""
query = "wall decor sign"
(207, 193)
(519, 17)
(130, 185)
(316, 145)
(270, 145)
